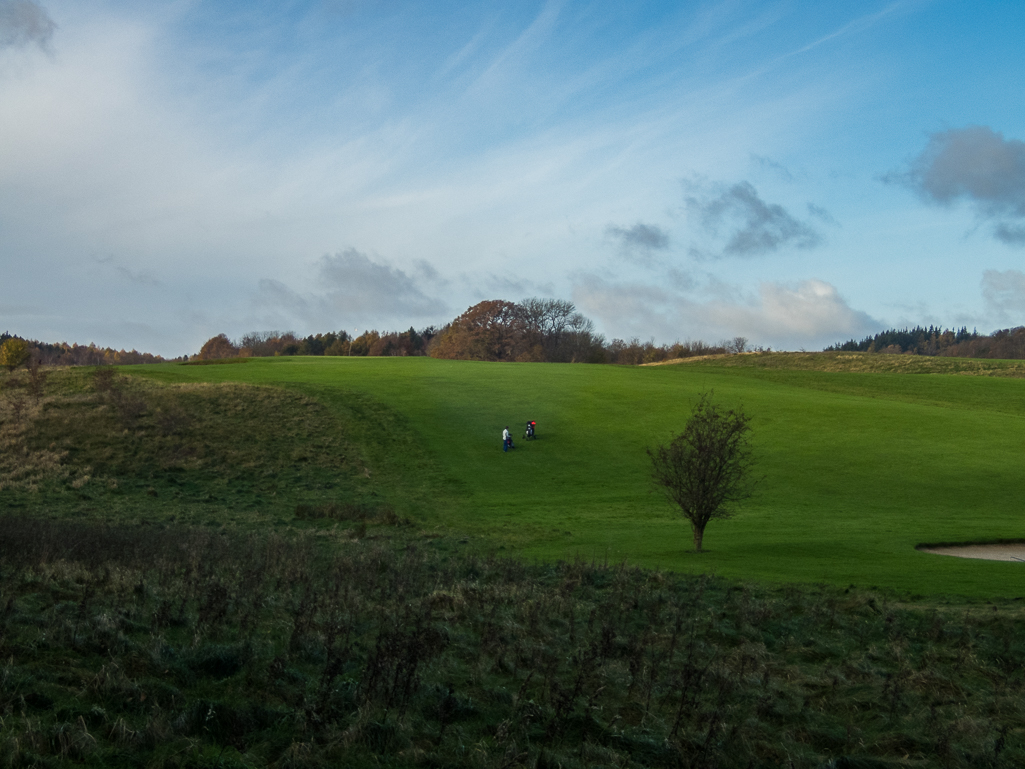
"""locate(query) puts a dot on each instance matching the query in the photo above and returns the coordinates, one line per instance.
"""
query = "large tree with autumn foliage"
(490, 330)
(218, 347)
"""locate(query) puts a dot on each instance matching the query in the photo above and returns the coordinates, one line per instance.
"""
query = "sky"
(798, 173)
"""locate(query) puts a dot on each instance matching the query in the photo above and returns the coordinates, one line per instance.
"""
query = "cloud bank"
(978, 165)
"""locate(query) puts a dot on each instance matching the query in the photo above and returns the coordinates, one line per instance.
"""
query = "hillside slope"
(857, 468)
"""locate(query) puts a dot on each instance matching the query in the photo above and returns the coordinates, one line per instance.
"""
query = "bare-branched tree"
(705, 469)
(37, 375)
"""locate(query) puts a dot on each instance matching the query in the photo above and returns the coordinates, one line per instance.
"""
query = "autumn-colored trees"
(491, 330)
(64, 354)
(262, 344)
(218, 347)
(13, 353)
(533, 330)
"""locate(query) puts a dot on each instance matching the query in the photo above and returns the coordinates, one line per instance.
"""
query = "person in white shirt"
(506, 439)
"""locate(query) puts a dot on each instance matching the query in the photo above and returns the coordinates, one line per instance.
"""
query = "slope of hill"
(857, 467)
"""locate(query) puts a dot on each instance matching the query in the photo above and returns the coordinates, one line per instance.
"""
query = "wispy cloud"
(24, 23)
(425, 272)
(140, 277)
(777, 169)
(518, 53)
(745, 224)
(204, 141)
(19, 310)
(353, 288)
(512, 288)
(855, 26)
(639, 242)
(974, 164)
(356, 284)
(818, 212)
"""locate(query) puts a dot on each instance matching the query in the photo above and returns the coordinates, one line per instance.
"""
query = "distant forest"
(542, 330)
(64, 354)
(1007, 344)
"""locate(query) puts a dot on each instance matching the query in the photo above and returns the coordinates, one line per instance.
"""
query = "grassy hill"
(860, 462)
(314, 562)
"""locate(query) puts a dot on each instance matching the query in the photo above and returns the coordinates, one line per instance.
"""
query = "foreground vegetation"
(152, 646)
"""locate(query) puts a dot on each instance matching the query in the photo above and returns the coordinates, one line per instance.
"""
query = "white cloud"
(805, 314)
(1004, 296)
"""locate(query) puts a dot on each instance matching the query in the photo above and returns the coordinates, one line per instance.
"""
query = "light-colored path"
(1005, 552)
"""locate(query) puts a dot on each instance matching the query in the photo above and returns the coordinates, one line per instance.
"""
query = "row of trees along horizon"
(543, 330)
(551, 330)
(539, 330)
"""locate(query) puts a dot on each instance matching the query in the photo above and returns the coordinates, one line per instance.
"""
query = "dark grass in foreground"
(149, 646)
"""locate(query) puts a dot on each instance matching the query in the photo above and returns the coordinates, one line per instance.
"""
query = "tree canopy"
(218, 347)
(533, 330)
(705, 469)
(13, 353)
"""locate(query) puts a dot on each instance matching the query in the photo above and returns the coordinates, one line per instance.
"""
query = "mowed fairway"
(855, 468)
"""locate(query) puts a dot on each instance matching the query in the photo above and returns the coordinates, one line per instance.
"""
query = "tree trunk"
(699, 532)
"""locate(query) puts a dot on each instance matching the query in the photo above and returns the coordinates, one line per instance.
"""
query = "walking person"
(506, 439)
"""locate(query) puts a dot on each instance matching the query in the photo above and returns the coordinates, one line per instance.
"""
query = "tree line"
(536, 329)
(1007, 344)
(543, 330)
(64, 354)
(263, 344)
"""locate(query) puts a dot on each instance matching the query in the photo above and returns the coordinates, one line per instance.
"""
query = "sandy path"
(1004, 552)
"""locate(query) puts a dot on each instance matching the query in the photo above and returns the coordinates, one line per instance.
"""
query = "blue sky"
(798, 173)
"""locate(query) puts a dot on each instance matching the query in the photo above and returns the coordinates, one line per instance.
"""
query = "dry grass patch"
(105, 443)
(859, 362)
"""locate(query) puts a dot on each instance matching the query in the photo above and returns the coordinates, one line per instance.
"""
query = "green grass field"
(857, 466)
(313, 562)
